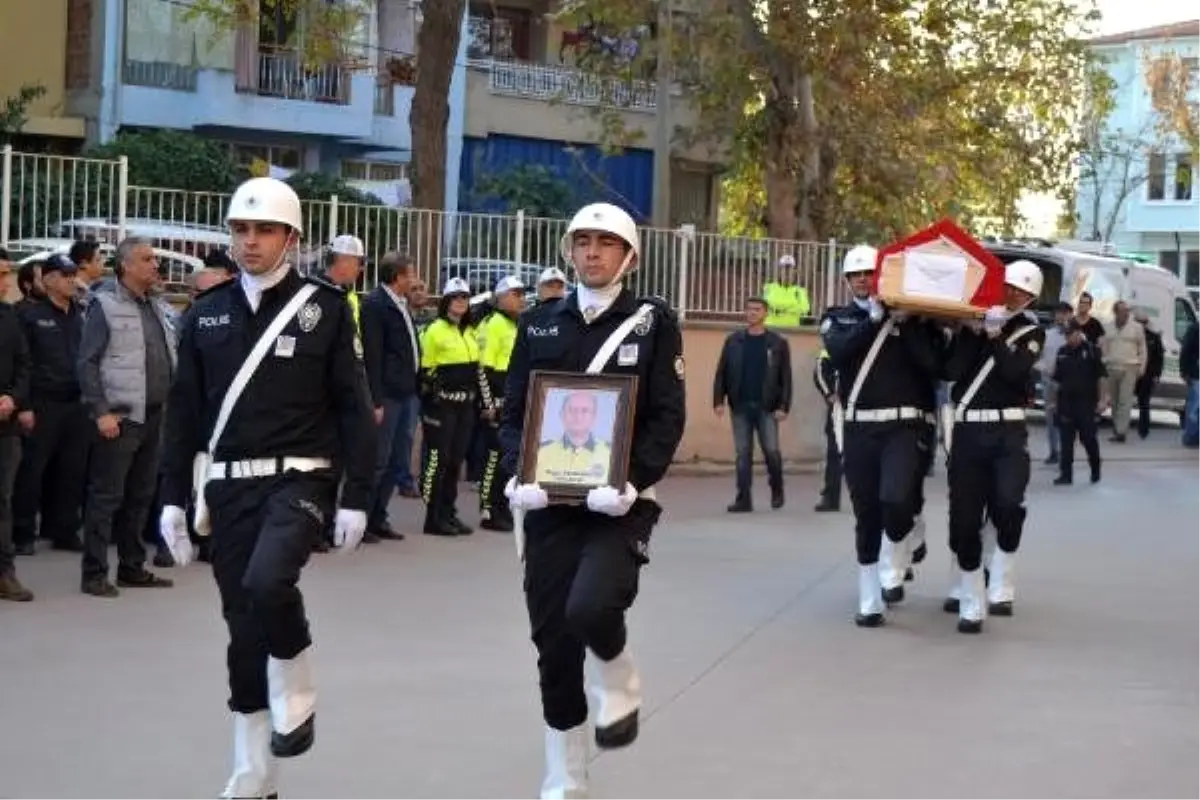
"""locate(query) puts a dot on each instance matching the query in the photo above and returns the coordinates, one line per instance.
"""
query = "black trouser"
(151, 532)
(1143, 390)
(928, 453)
(831, 492)
(581, 576)
(989, 472)
(10, 462)
(883, 462)
(1077, 418)
(495, 476)
(263, 531)
(122, 480)
(447, 426)
(53, 473)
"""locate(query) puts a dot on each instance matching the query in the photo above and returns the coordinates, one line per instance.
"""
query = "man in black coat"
(15, 368)
(1143, 389)
(754, 376)
(391, 351)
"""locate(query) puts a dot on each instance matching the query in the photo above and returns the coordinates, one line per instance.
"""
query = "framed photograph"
(578, 433)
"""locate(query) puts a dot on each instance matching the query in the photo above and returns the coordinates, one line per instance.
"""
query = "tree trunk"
(437, 51)
(781, 181)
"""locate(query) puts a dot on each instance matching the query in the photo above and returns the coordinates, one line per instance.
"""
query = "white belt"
(648, 494)
(993, 415)
(264, 467)
(888, 414)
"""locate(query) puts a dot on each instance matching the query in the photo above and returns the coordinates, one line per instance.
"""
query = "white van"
(1158, 292)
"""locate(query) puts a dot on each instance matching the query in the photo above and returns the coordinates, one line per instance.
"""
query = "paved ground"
(757, 682)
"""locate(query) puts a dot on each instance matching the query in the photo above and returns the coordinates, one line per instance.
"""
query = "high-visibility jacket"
(786, 305)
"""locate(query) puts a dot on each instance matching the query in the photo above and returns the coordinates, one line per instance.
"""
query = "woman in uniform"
(449, 380)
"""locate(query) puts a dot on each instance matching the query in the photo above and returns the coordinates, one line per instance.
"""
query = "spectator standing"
(14, 392)
(1144, 388)
(1189, 370)
(1124, 348)
(754, 376)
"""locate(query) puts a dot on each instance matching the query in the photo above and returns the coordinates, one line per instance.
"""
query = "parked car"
(177, 266)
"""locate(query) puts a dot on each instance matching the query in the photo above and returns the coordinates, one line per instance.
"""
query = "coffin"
(940, 271)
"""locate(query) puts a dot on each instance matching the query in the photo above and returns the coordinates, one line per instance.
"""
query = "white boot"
(566, 763)
(972, 603)
(253, 764)
(988, 535)
(1000, 583)
(894, 560)
(293, 697)
(870, 599)
(616, 690)
(951, 604)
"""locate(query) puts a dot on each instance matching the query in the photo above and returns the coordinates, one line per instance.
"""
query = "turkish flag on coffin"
(940, 269)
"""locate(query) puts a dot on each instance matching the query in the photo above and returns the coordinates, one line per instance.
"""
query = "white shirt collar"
(255, 285)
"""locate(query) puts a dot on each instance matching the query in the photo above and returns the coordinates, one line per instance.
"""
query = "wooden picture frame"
(568, 448)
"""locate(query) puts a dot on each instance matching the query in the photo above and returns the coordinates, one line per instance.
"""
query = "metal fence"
(45, 200)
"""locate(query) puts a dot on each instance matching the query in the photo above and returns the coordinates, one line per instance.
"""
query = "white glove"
(526, 496)
(607, 500)
(875, 309)
(172, 526)
(348, 529)
(994, 320)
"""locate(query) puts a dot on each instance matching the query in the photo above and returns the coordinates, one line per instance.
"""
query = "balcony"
(566, 85)
(160, 75)
(285, 75)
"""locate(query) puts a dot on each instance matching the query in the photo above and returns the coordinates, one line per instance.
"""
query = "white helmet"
(456, 286)
(347, 245)
(265, 200)
(859, 259)
(1024, 275)
(507, 284)
(787, 260)
(607, 218)
(552, 274)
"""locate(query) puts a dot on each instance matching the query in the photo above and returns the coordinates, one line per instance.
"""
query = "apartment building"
(34, 41)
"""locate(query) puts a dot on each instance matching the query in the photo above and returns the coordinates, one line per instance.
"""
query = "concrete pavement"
(757, 682)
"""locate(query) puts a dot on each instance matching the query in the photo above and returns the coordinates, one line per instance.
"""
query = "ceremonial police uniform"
(449, 380)
(267, 486)
(887, 365)
(582, 562)
(989, 446)
(497, 335)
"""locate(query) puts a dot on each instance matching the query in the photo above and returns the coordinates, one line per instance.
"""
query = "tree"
(14, 114)
(169, 159)
(437, 47)
(1113, 163)
(327, 35)
(869, 118)
(1171, 80)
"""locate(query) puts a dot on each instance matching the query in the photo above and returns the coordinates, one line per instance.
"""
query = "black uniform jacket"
(907, 369)
(1007, 385)
(555, 337)
(308, 397)
(53, 336)
(1078, 370)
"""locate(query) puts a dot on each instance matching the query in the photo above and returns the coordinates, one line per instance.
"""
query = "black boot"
(741, 505)
(298, 742)
(777, 496)
(1096, 472)
(435, 525)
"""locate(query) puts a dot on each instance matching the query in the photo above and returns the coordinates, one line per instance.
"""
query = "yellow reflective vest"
(786, 305)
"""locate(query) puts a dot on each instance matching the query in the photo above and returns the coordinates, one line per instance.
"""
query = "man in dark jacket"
(1189, 370)
(1143, 388)
(754, 376)
(15, 369)
(392, 357)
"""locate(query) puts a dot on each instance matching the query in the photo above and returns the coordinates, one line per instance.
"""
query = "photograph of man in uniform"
(576, 444)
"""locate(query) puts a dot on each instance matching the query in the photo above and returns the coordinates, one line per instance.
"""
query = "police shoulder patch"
(826, 324)
(680, 368)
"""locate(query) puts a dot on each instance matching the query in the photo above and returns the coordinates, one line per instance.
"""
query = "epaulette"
(216, 287)
(661, 304)
(321, 281)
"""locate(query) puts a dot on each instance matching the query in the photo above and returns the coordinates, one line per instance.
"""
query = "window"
(276, 155)
(356, 170)
(1191, 273)
(1184, 317)
(1183, 176)
(1169, 259)
(1156, 177)
(497, 32)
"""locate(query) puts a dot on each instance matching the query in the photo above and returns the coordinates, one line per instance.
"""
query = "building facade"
(531, 101)
(143, 64)
(34, 39)
(1140, 193)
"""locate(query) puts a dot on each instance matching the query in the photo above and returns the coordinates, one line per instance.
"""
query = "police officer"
(1081, 376)
(787, 300)
(582, 562)
(825, 379)
(497, 335)
(990, 365)
(888, 363)
(271, 483)
(552, 284)
(449, 379)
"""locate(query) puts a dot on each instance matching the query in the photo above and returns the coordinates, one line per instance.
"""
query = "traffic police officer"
(265, 480)
(990, 365)
(1081, 376)
(343, 266)
(449, 378)
(825, 379)
(787, 300)
(582, 562)
(887, 363)
(552, 284)
(497, 335)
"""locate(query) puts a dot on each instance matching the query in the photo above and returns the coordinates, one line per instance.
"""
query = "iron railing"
(703, 275)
